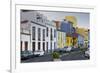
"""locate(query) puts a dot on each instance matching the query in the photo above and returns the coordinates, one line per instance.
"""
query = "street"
(76, 55)
(44, 58)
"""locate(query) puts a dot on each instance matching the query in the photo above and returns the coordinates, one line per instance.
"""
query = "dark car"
(26, 55)
(75, 49)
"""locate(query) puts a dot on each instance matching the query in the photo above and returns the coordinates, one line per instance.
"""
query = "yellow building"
(72, 19)
(83, 32)
(69, 40)
(75, 40)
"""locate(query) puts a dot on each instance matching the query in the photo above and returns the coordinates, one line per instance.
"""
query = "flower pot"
(56, 59)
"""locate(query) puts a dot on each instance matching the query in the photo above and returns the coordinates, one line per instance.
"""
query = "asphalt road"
(74, 56)
(46, 58)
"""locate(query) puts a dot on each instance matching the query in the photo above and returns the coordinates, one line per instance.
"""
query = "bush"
(83, 49)
(55, 55)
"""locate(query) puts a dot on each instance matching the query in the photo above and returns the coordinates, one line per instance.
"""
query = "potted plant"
(56, 56)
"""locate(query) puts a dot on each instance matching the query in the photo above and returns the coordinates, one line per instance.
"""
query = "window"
(33, 33)
(33, 46)
(21, 45)
(47, 46)
(39, 34)
(51, 46)
(51, 38)
(54, 45)
(47, 31)
(43, 34)
(39, 18)
(43, 46)
(68, 41)
(39, 45)
(26, 45)
(54, 33)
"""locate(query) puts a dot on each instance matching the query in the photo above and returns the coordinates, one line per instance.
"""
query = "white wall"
(36, 36)
(48, 38)
(25, 38)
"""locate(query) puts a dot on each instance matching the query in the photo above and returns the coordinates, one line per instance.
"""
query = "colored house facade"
(75, 39)
(69, 41)
(67, 28)
(71, 37)
(61, 39)
(84, 32)
(80, 40)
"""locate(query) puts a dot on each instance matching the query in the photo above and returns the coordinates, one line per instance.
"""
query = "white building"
(25, 35)
(37, 33)
(50, 36)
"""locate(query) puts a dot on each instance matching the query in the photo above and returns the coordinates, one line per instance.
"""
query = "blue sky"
(83, 19)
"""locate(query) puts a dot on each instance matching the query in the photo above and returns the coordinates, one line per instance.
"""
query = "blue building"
(66, 27)
(71, 35)
(80, 40)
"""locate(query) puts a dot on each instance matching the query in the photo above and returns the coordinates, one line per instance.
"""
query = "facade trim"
(38, 23)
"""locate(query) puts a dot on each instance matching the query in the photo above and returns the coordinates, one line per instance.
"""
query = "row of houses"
(39, 33)
(69, 33)
(74, 36)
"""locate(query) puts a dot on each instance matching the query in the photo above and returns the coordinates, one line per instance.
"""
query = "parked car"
(57, 50)
(69, 49)
(31, 55)
(38, 53)
(87, 53)
(65, 49)
(26, 55)
(75, 49)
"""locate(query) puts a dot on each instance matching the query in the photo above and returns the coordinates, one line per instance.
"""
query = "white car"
(69, 49)
(39, 53)
(87, 53)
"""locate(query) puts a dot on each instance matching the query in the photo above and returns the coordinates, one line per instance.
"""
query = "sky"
(83, 19)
